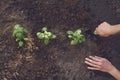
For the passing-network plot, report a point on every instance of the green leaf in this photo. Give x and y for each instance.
(44, 29)
(17, 26)
(46, 41)
(74, 42)
(53, 36)
(17, 39)
(76, 36)
(95, 33)
(83, 39)
(25, 31)
(49, 33)
(26, 39)
(40, 35)
(70, 36)
(45, 33)
(70, 32)
(19, 33)
(14, 33)
(80, 36)
(19, 36)
(46, 36)
(21, 44)
(78, 31)
(19, 29)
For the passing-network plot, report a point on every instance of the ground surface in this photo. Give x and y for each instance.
(59, 60)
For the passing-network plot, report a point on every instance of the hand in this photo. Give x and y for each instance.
(104, 29)
(98, 63)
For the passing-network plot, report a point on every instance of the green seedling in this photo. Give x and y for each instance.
(95, 33)
(45, 35)
(76, 37)
(20, 34)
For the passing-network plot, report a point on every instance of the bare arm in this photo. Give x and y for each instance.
(115, 73)
(102, 64)
(117, 28)
(105, 29)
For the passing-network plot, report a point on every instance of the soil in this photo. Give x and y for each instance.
(59, 60)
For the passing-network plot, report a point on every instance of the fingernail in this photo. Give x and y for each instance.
(96, 56)
(95, 33)
(85, 61)
(88, 67)
(90, 56)
(86, 58)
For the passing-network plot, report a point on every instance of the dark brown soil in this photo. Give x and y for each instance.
(59, 60)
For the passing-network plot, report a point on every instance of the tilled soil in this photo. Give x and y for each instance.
(59, 60)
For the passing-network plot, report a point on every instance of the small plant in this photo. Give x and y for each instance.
(76, 37)
(45, 35)
(20, 34)
(95, 33)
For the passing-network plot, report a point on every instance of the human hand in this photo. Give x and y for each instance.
(98, 63)
(104, 29)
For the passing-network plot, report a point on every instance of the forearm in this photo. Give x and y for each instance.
(115, 73)
(116, 29)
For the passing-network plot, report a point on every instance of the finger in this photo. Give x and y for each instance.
(93, 68)
(91, 64)
(100, 31)
(95, 33)
(98, 57)
(95, 58)
(102, 59)
(104, 22)
(105, 35)
(92, 61)
(96, 30)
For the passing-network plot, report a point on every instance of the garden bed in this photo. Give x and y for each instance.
(58, 60)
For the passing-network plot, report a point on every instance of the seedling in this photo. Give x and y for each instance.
(45, 35)
(95, 33)
(20, 34)
(76, 37)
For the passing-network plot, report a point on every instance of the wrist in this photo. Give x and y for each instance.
(115, 73)
(113, 70)
(116, 28)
